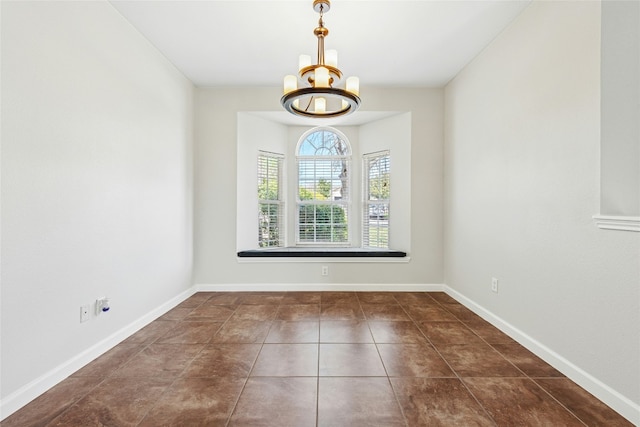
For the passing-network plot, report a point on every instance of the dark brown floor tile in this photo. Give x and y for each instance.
(151, 332)
(277, 402)
(298, 312)
(159, 361)
(190, 333)
(584, 405)
(177, 313)
(104, 365)
(338, 298)
(255, 312)
(477, 360)
(488, 332)
(115, 402)
(526, 361)
(413, 298)
(357, 402)
(350, 360)
(215, 313)
(192, 402)
(519, 402)
(449, 333)
(243, 331)
(341, 311)
(52, 403)
(196, 299)
(396, 332)
(376, 298)
(261, 298)
(345, 331)
(438, 402)
(283, 331)
(461, 312)
(413, 360)
(429, 313)
(442, 297)
(223, 360)
(393, 312)
(287, 360)
(224, 298)
(301, 298)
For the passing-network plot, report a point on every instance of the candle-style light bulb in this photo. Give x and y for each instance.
(304, 61)
(353, 85)
(320, 105)
(331, 58)
(321, 77)
(290, 83)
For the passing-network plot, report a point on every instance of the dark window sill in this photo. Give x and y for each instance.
(321, 253)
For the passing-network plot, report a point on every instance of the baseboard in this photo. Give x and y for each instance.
(35, 388)
(292, 287)
(619, 403)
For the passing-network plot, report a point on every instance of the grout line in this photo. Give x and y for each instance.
(554, 398)
(454, 371)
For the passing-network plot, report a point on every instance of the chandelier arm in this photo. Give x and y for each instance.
(309, 104)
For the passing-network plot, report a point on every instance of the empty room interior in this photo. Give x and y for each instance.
(452, 239)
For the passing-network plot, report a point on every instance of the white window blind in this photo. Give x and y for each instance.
(270, 200)
(376, 179)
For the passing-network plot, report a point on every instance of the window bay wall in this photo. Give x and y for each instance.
(233, 126)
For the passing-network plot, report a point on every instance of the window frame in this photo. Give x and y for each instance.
(344, 204)
(279, 202)
(383, 205)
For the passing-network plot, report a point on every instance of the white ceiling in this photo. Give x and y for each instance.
(388, 43)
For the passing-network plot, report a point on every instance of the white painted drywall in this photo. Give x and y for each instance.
(215, 159)
(620, 144)
(255, 134)
(522, 173)
(394, 134)
(96, 181)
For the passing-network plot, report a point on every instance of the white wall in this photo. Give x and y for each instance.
(96, 184)
(215, 159)
(620, 119)
(522, 141)
(394, 134)
(255, 134)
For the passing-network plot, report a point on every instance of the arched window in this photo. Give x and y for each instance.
(323, 198)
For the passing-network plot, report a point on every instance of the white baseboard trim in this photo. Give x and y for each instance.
(619, 403)
(35, 388)
(292, 287)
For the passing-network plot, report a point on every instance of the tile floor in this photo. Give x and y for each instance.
(317, 359)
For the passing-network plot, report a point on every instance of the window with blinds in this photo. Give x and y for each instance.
(376, 179)
(323, 157)
(270, 200)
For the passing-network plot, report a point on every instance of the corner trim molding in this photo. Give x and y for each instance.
(618, 402)
(620, 223)
(35, 388)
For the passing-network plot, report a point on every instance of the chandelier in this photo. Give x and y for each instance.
(319, 94)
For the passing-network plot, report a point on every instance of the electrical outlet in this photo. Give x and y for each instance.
(325, 270)
(84, 313)
(494, 285)
(102, 305)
